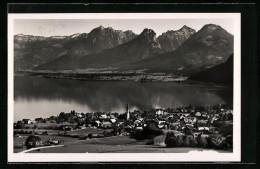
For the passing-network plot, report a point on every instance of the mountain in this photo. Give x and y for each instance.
(31, 51)
(142, 47)
(222, 73)
(98, 39)
(171, 40)
(210, 46)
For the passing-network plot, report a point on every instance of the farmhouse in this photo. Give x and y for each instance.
(27, 121)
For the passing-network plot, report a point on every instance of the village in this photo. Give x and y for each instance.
(190, 126)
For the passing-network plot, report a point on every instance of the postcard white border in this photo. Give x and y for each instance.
(129, 157)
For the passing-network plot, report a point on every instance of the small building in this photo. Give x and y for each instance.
(139, 128)
(198, 114)
(97, 123)
(103, 116)
(27, 121)
(159, 112)
(112, 120)
(106, 124)
(161, 124)
(82, 127)
(203, 129)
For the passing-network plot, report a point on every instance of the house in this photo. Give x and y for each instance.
(103, 116)
(82, 127)
(66, 127)
(137, 122)
(139, 128)
(27, 121)
(161, 124)
(97, 123)
(106, 124)
(159, 112)
(112, 120)
(128, 128)
(203, 129)
(202, 122)
(186, 119)
(112, 116)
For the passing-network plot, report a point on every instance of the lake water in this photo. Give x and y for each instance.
(40, 97)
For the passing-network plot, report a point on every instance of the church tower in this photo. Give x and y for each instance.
(127, 113)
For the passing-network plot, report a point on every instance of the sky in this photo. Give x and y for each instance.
(65, 27)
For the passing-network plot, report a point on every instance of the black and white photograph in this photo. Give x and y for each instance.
(124, 87)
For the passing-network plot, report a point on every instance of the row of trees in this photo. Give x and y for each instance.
(213, 141)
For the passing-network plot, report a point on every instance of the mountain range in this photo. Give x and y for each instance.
(31, 51)
(183, 51)
(210, 46)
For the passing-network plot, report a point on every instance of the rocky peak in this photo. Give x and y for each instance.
(210, 27)
(147, 31)
(172, 39)
(148, 34)
(129, 32)
(186, 29)
(100, 27)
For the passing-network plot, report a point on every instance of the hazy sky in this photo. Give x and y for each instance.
(55, 27)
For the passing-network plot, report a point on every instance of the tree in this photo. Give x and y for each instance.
(19, 125)
(151, 126)
(33, 141)
(88, 118)
(62, 117)
(39, 120)
(52, 118)
(121, 116)
(229, 116)
(116, 114)
(173, 141)
(72, 112)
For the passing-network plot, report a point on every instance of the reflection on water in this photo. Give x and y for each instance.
(40, 97)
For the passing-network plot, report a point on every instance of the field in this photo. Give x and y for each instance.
(85, 132)
(18, 141)
(71, 136)
(117, 144)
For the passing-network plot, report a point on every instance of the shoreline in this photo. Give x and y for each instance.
(106, 76)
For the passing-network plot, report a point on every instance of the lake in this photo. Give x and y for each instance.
(43, 97)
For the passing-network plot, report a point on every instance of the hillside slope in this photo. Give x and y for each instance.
(222, 73)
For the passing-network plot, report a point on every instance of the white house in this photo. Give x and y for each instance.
(159, 112)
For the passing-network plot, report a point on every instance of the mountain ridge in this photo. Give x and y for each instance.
(172, 39)
(31, 51)
(143, 46)
(190, 51)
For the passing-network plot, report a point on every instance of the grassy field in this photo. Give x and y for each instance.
(115, 144)
(85, 132)
(118, 144)
(80, 132)
(18, 141)
(40, 131)
(75, 134)
(42, 125)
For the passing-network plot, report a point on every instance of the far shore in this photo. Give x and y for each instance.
(105, 75)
